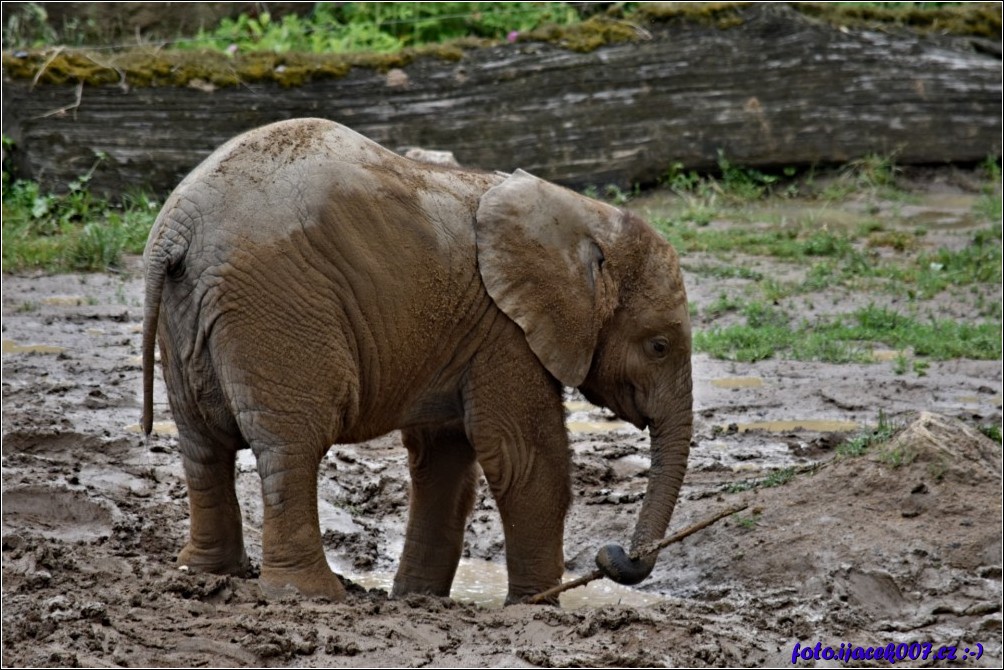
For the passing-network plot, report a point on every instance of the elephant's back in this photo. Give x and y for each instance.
(286, 176)
(292, 146)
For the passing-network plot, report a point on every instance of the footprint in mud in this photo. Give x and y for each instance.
(51, 443)
(55, 513)
(875, 592)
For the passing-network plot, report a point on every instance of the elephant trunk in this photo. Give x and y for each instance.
(670, 436)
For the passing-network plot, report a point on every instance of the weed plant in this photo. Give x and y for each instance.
(773, 479)
(73, 231)
(861, 443)
(382, 27)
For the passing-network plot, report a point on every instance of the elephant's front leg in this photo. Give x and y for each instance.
(519, 435)
(443, 477)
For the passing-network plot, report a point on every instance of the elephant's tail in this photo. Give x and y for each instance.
(165, 250)
(151, 313)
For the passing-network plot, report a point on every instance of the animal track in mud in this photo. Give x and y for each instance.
(60, 445)
(56, 513)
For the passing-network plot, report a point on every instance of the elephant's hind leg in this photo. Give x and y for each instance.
(443, 477)
(292, 553)
(216, 538)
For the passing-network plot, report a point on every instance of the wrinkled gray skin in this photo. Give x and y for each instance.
(309, 287)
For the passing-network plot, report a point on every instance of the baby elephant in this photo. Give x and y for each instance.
(309, 287)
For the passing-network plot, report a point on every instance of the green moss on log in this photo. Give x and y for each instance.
(206, 69)
(981, 19)
(143, 68)
(588, 35)
(721, 15)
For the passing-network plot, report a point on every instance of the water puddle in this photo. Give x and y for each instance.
(110, 479)
(794, 425)
(598, 426)
(65, 300)
(167, 428)
(584, 417)
(630, 466)
(886, 355)
(738, 383)
(743, 455)
(942, 210)
(12, 347)
(485, 583)
(335, 518)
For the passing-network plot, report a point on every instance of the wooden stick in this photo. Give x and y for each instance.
(45, 66)
(635, 555)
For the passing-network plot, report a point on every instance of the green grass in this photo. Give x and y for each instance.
(73, 231)
(778, 477)
(841, 257)
(748, 522)
(774, 478)
(381, 27)
(722, 271)
(792, 243)
(769, 333)
(993, 432)
(329, 27)
(859, 444)
(866, 256)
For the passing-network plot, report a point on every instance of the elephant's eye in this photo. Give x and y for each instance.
(657, 347)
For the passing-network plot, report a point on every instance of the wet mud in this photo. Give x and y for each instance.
(899, 545)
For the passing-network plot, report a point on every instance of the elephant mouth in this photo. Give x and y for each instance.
(638, 417)
(626, 411)
(630, 409)
(632, 413)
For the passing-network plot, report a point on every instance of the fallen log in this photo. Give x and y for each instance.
(772, 87)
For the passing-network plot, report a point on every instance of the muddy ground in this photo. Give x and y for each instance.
(899, 545)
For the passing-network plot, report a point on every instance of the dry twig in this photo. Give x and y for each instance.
(635, 555)
(68, 108)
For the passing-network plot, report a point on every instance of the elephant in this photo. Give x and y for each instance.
(309, 287)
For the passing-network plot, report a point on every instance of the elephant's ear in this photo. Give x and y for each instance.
(541, 253)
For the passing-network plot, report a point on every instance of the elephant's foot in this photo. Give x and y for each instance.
(521, 596)
(220, 561)
(317, 581)
(406, 587)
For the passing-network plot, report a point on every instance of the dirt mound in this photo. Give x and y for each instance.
(948, 448)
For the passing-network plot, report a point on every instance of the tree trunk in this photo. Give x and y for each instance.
(778, 90)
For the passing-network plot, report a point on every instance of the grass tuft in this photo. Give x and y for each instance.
(73, 231)
(861, 443)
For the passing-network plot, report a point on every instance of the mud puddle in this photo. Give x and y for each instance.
(484, 583)
(12, 347)
(800, 426)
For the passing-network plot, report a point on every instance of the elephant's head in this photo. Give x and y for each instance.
(600, 298)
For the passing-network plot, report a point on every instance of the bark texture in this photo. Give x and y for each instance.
(780, 89)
